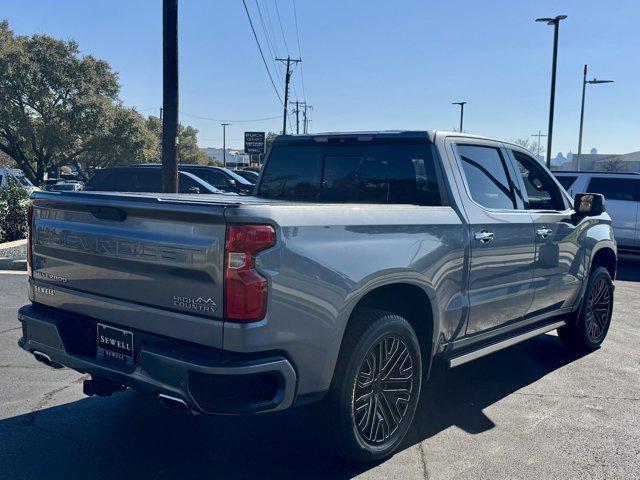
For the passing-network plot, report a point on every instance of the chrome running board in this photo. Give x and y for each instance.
(469, 355)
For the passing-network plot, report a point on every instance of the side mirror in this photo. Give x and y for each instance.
(193, 190)
(589, 204)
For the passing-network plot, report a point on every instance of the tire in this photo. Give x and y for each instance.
(589, 329)
(369, 409)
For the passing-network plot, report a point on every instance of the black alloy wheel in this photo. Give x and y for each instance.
(383, 390)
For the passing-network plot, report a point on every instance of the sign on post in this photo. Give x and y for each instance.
(254, 143)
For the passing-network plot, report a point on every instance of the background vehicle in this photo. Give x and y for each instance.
(148, 179)
(219, 177)
(361, 259)
(622, 194)
(248, 175)
(65, 187)
(19, 176)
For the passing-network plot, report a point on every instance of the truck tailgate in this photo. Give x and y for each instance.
(144, 251)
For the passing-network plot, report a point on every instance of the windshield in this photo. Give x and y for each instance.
(236, 177)
(24, 181)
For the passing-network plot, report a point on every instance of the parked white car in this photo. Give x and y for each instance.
(622, 194)
(19, 176)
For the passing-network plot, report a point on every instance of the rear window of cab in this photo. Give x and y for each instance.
(371, 173)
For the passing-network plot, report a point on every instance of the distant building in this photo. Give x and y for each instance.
(235, 158)
(599, 162)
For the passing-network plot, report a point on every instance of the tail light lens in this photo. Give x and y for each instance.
(29, 237)
(245, 288)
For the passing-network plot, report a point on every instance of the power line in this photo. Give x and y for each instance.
(295, 16)
(281, 29)
(260, 48)
(271, 45)
(229, 120)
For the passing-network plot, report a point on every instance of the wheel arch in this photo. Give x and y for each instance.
(411, 302)
(604, 256)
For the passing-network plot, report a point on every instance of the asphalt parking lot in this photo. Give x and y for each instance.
(534, 411)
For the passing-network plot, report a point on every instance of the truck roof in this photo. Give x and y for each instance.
(366, 135)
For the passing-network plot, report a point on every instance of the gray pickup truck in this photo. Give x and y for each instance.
(361, 259)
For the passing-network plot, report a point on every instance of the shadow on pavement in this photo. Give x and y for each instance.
(130, 436)
(628, 268)
(458, 397)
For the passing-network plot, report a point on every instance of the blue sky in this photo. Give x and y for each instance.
(372, 64)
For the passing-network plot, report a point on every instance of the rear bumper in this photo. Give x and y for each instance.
(208, 380)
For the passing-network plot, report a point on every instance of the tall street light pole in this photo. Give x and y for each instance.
(462, 104)
(170, 96)
(556, 26)
(584, 88)
(224, 143)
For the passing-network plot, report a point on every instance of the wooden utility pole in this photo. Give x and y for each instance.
(287, 78)
(170, 96)
(297, 111)
(305, 119)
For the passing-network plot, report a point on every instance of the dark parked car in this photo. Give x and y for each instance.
(219, 177)
(148, 179)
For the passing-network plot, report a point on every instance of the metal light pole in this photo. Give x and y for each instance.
(462, 104)
(224, 143)
(584, 88)
(556, 26)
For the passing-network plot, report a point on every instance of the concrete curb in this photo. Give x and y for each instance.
(12, 264)
(13, 255)
(14, 244)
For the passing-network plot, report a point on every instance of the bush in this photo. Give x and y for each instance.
(14, 201)
(4, 211)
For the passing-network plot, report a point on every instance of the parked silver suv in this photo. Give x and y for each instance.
(622, 194)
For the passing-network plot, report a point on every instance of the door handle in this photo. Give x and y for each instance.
(483, 236)
(544, 232)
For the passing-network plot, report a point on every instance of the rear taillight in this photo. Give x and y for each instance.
(29, 236)
(245, 288)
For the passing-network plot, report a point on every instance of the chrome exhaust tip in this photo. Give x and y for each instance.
(173, 403)
(46, 359)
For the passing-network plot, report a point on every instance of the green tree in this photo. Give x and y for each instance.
(188, 150)
(126, 141)
(6, 161)
(58, 107)
(533, 147)
(14, 201)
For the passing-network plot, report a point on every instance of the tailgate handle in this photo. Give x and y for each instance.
(108, 213)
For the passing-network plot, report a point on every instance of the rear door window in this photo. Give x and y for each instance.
(616, 188)
(212, 177)
(148, 180)
(186, 182)
(486, 173)
(362, 173)
(117, 182)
